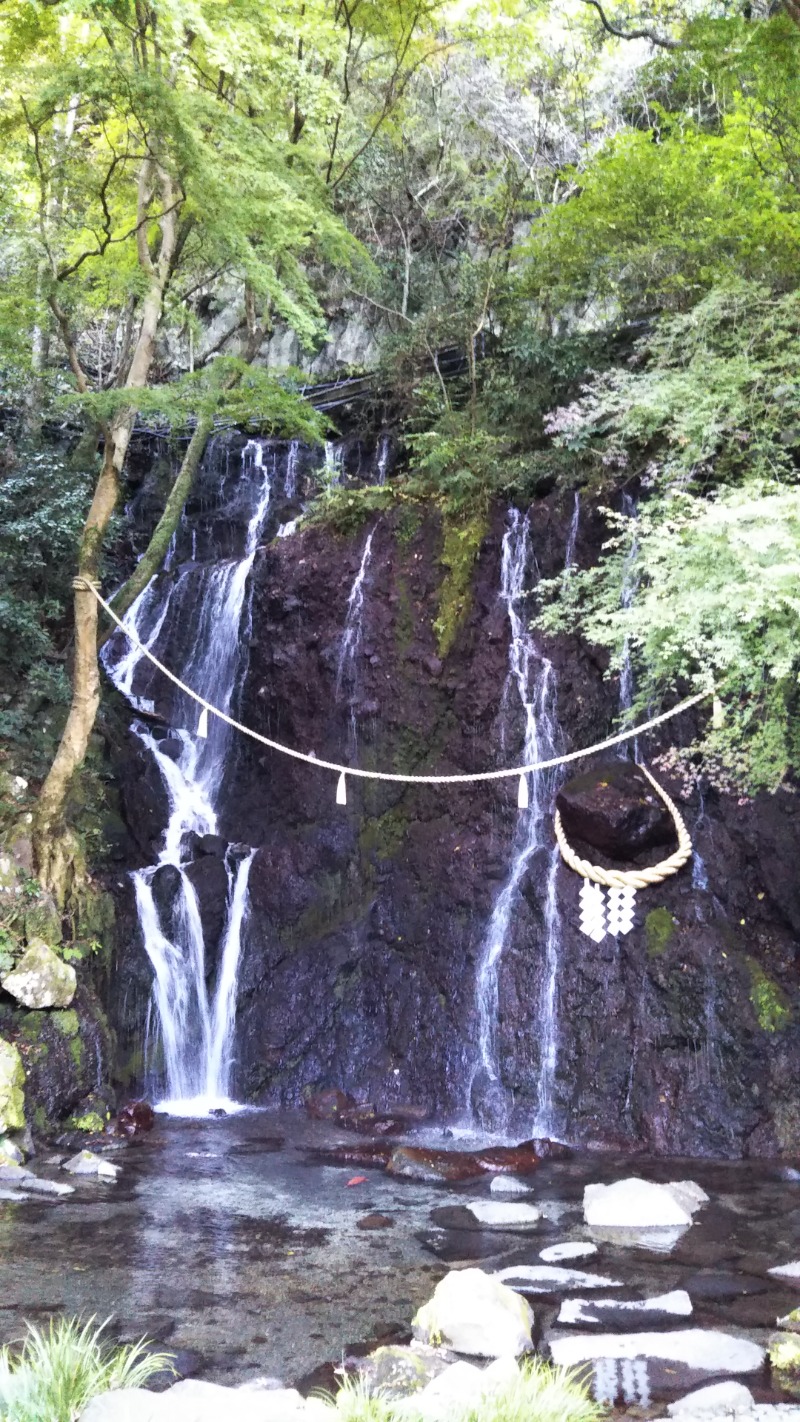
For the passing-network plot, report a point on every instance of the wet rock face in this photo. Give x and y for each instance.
(614, 808)
(367, 920)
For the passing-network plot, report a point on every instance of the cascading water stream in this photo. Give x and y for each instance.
(195, 1031)
(529, 688)
(630, 582)
(347, 666)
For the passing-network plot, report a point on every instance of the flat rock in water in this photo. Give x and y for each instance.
(716, 1284)
(475, 1313)
(421, 1163)
(615, 809)
(500, 1214)
(622, 1313)
(718, 1400)
(375, 1222)
(705, 1350)
(509, 1185)
(554, 1253)
(787, 1271)
(636, 1204)
(549, 1279)
(87, 1163)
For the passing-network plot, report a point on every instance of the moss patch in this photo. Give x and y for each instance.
(383, 836)
(770, 1003)
(460, 548)
(66, 1021)
(659, 931)
(92, 1122)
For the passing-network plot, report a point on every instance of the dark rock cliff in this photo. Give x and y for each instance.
(367, 920)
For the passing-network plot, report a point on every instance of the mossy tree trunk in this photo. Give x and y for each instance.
(58, 859)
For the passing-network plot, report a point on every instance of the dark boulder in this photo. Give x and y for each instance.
(615, 809)
(134, 1119)
(329, 1104)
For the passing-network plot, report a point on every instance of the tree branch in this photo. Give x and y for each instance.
(662, 41)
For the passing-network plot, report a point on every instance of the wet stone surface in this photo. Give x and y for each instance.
(233, 1244)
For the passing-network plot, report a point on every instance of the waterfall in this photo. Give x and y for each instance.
(347, 666)
(292, 466)
(333, 467)
(572, 536)
(384, 450)
(195, 1031)
(530, 689)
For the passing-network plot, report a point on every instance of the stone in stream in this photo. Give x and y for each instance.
(329, 1104)
(636, 1204)
(787, 1271)
(429, 1164)
(87, 1163)
(475, 1313)
(41, 979)
(368, 1153)
(509, 1185)
(395, 1371)
(556, 1252)
(701, 1349)
(790, 1321)
(723, 1399)
(548, 1279)
(715, 1284)
(615, 809)
(375, 1222)
(622, 1313)
(134, 1119)
(500, 1214)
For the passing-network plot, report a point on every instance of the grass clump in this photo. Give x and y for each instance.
(58, 1370)
(538, 1393)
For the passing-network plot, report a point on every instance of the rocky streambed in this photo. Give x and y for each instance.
(244, 1248)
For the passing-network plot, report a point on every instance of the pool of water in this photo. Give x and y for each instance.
(232, 1244)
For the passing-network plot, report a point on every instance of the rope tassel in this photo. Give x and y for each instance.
(523, 800)
(202, 725)
(341, 790)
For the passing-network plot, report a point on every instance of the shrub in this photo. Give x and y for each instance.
(59, 1370)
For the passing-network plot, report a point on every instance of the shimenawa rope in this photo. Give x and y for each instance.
(464, 779)
(631, 878)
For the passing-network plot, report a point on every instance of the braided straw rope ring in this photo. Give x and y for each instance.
(631, 878)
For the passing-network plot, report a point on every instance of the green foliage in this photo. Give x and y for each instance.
(770, 1003)
(91, 1122)
(57, 1371)
(539, 1393)
(712, 401)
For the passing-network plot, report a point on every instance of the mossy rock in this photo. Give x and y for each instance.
(91, 1122)
(770, 1003)
(460, 549)
(784, 1353)
(43, 921)
(659, 931)
(12, 1089)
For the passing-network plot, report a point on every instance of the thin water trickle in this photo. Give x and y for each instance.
(347, 666)
(195, 1033)
(292, 469)
(529, 689)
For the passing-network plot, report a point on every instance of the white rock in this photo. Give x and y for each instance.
(786, 1271)
(128, 1404)
(196, 1401)
(500, 1373)
(719, 1400)
(476, 1313)
(40, 978)
(592, 1310)
(633, 1204)
(87, 1163)
(497, 1213)
(701, 1348)
(543, 1278)
(48, 1187)
(556, 1252)
(509, 1185)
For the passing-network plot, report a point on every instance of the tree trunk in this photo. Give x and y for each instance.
(156, 550)
(59, 861)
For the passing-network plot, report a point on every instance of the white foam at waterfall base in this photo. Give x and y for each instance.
(196, 1033)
